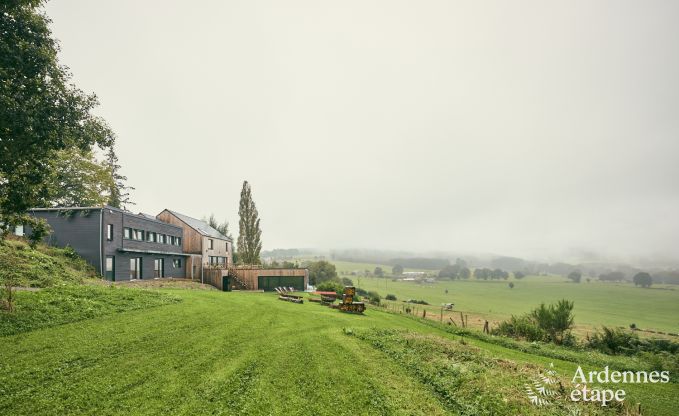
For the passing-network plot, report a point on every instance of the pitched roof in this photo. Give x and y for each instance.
(200, 226)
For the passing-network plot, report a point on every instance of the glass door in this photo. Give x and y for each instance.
(135, 268)
(159, 268)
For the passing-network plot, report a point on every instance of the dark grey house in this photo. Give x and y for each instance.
(119, 244)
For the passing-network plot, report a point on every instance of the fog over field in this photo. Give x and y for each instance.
(533, 129)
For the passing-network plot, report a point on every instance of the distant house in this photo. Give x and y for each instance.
(119, 244)
(205, 246)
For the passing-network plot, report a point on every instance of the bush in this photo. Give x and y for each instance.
(545, 323)
(374, 298)
(621, 342)
(390, 297)
(347, 282)
(520, 327)
(418, 302)
(331, 286)
(613, 341)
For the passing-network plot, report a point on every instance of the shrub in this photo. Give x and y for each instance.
(418, 302)
(374, 298)
(331, 286)
(511, 285)
(613, 341)
(555, 319)
(545, 323)
(520, 327)
(390, 297)
(621, 342)
(347, 282)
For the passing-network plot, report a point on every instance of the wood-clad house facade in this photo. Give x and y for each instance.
(206, 247)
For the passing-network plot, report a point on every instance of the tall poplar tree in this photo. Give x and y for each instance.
(249, 233)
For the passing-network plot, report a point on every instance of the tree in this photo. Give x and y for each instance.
(222, 228)
(77, 179)
(483, 273)
(511, 285)
(497, 274)
(397, 270)
(642, 279)
(519, 275)
(450, 271)
(41, 112)
(10, 275)
(575, 276)
(249, 232)
(378, 272)
(119, 194)
(321, 271)
(465, 273)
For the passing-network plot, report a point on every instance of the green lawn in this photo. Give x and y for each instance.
(249, 353)
(596, 303)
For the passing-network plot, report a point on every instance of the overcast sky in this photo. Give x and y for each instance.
(528, 128)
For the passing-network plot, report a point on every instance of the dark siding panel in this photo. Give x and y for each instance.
(79, 230)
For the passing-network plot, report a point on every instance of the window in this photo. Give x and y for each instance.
(151, 237)
(127, 233)
(109, 232)
(134, 234)
(217, 260)
(210, 244)
(177, 263)
(161, 238)
(179, 241)
(110, 268)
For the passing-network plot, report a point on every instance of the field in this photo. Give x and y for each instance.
(249, 353)
(596, 304)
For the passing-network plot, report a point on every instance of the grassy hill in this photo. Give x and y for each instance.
(249, 353)
(80, 346)
(46, 266)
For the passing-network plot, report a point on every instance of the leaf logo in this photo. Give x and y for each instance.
(539, 392)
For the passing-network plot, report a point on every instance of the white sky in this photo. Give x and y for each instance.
(530, 128)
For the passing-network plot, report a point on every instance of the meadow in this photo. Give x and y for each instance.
(213, 352)
(596, 303)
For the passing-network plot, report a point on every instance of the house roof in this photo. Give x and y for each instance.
(200, 226)
(104, 207)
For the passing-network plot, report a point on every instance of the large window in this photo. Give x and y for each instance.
(127, 233)
(162, 238)
(109, 232)
(177, 263)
